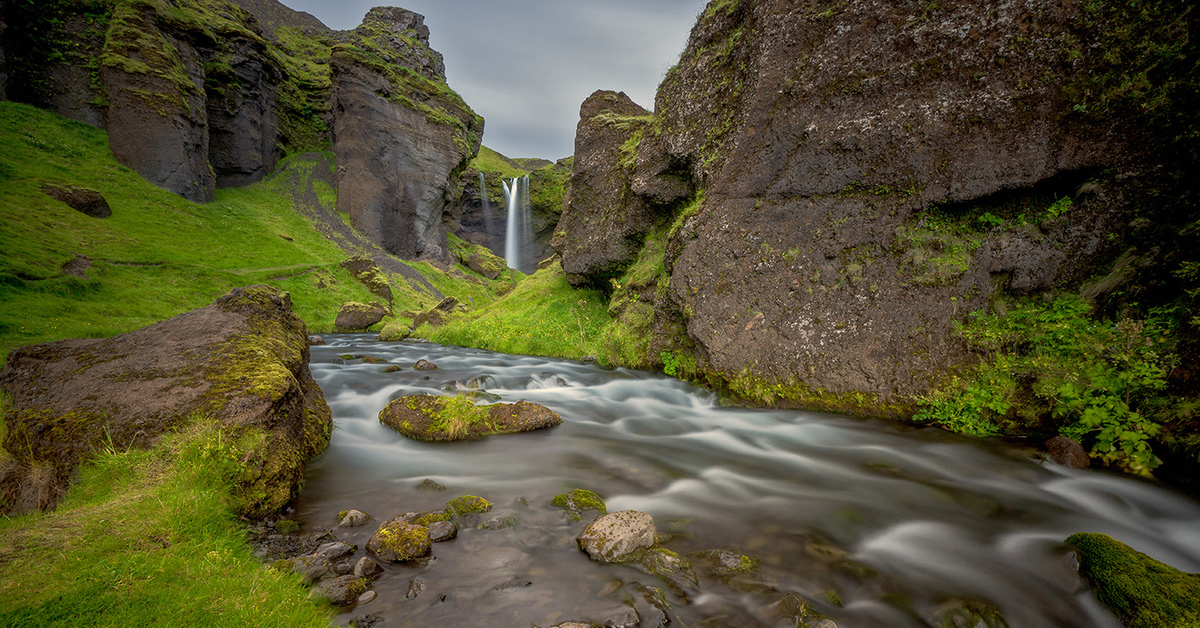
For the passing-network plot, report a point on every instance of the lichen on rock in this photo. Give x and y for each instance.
(444, 418)
(617, 536)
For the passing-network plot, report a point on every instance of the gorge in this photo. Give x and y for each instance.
(918, 217)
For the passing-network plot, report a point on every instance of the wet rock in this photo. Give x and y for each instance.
(467, 505)
(397, 541)
(425, 365)
(1068, 452)
(316, 340)
(355, 316)
(442, 418)
(961, 614)
(242, 360)
(616, 536)
(430, 485)
(392, 369)
(367, 597)
(353, 518)
(441, 531)
(575, 624)
(371, 359)
(367, 568)
(332, 552)
(416, 587)
(499, 523)
(578, 500)
(1138, 589)
(623, 617)
(674, 570)
(341, 591)
(514, 583)
(366, 621)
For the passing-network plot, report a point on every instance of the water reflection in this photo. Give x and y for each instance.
(892, 522)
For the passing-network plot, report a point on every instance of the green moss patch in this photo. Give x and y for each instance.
(1141, 591)
(443, 418)
(467, 505)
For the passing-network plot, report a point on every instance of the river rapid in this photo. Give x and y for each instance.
(873, 523)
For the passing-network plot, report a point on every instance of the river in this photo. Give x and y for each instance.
(872, 523)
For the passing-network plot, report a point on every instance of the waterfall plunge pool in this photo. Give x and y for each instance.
(871, 523)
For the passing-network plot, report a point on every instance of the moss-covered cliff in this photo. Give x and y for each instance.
(872, 175)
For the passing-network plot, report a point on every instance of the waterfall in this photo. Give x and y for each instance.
(518, 231)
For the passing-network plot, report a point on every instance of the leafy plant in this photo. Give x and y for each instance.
(1050, 367)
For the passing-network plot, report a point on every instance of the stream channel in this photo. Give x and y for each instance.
(872, 523)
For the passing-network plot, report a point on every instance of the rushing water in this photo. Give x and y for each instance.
(899, 522)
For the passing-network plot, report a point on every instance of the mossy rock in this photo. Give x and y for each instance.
(394, 331)
(468, 505)
(440, 418)
(1140, 590)
(400, 541)
(355, 316)
(578, 500)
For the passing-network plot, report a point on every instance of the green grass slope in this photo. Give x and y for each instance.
(157, 255)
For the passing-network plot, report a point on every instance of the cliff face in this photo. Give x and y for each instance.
(872, 173)
(196, 96)
(401, 136)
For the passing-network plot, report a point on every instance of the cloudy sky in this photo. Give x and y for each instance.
(526, 65)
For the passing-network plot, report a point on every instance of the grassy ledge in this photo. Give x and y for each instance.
(148, 537)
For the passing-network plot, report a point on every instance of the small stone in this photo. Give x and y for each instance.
(353, 518)
(367, 597)
(514, 583)
(341, 591)
(367, 568)
(440, 531)
(332, 552)
(366, 621)
(499, 523)
(316, 340)
(392, 369)
(343, 567)
(425, 365)
(615, 536)
(416, 586)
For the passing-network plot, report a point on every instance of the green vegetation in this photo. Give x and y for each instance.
(1051, 369)
(157, 255)
(467, 505)
(490, 162)
(542, 315)
(1141, 591)
(145, 537)
(578, 500)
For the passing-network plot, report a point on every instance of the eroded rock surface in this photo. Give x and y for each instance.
(242, 360)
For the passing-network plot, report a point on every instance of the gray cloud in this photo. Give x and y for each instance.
(526, 65)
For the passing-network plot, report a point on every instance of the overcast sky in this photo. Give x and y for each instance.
(527, 65)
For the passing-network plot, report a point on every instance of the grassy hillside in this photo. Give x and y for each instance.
(157, 255)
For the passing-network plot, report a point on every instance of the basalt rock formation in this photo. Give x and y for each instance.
(242, 361)
(201, 95)
(871, 173)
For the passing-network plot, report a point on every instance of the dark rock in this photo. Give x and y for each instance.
(440, 531)
(501, 522)
(82, 200)
(395, 185)
(366, 621)
(367, 568)
(416, 586)
(342, 590)
(616, 537)
(397, 541)
(333, 552)
(392, 369)
(356, 316)
(243, 130)
(316, 340)
(440, 418)
(603, 221)
(425, 365)
(431, 485)
(1068, 452)
(513, 583)
(242, 360)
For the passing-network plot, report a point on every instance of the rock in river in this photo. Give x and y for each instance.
(440, 418)
(616, 536)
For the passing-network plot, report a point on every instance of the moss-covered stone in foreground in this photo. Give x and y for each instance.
(441, 418)
(1141, 591)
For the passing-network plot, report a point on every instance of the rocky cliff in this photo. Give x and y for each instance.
(870, 174)
(199, 94)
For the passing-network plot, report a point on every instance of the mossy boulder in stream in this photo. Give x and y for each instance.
(399, 541)
(578, 500)
(1141, 591)
(439, 418)
(242, 360)
(617, 537)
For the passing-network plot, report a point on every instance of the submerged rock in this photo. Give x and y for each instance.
(242, 360)
(367, 568)
(1068, 452)
(578, 500)
(440, 418)
(617, 536)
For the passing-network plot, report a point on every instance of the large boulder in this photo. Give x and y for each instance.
(394, 185)
(82, 200)
(617, 536)
(441, 418)
(355, 316)
(242, 361)
(603, 221)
